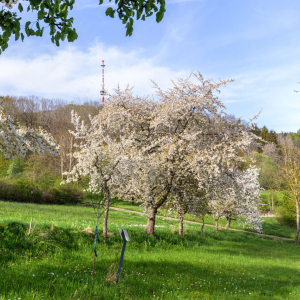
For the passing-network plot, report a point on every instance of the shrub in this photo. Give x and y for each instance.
(16, 167)
(287, 211)
(25, 190)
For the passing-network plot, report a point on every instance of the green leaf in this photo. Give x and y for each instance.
(52, 29)
(20, 7)
(38, 26)
(27, 24)
(41, 15)
(5, 36)
(138, 14)
(17, 35)
(72, 35)
(159, 16)
(110, 12)
(101, 2)
(57, 38)
(22, 37)
(27, 30)
(129, 27)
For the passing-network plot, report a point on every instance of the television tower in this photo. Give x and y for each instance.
(102, 92)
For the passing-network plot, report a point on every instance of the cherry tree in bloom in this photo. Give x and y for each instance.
(150, 145)
(98, 157)
(17, 140)
(185, 197)
(223, 194)
(250, 201)
(236, 194)
(184, 131)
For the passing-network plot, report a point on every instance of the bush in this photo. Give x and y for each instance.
(287, 211)
(16, 167)
(25, 190)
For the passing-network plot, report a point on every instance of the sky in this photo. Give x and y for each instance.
(255, 42)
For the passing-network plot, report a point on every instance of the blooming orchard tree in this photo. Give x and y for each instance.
(223, 192)
(250, 197)
(98, 157)
(155, 144)
(17, 140)
(185, 131)
(236, 194)
(185, 197)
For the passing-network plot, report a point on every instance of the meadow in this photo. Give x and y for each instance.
(55, 261)
(271, 225)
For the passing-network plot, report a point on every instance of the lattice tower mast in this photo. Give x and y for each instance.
(102, 92)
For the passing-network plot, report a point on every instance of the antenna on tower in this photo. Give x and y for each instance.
(102, 92)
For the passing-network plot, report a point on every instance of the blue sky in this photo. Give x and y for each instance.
(254, 42)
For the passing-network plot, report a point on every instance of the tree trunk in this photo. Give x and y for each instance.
(153, 210)
(228, 222)
(131, 200)
(180, 227)
(272, 198)
(217, 224)
(151, 220)
(104, 234)
(202, 226)
(61, 166)
(298, 221)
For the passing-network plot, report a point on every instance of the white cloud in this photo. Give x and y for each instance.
(72, 74)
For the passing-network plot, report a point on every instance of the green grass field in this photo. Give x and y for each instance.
(55, 261)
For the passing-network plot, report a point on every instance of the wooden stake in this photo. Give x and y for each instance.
(30, 226)
(94, 264)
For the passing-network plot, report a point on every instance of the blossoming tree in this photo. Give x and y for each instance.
(150, 146)
(98, 156)
(184, 131)
(236, 194)
(186, 197)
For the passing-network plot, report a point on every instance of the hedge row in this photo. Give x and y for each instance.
(24, 190)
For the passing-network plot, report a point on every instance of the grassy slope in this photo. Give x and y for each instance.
(270, 224)
(57, 265)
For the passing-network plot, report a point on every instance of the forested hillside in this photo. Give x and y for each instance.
(36, 178)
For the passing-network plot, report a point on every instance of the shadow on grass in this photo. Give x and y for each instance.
(212, 266)
(143, 278)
